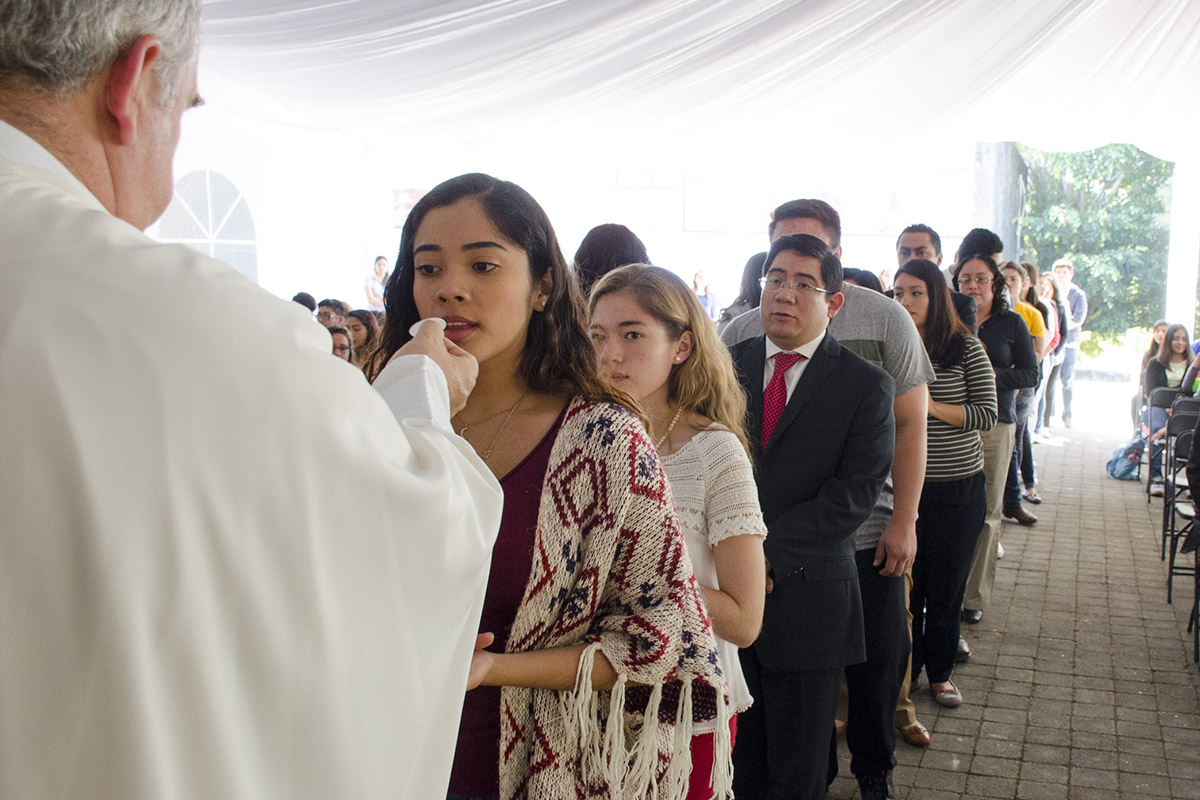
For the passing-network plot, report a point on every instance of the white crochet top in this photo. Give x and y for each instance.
(716, 498)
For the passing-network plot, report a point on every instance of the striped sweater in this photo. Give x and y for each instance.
(956, 453)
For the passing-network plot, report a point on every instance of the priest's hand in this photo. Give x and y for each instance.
(460, 367)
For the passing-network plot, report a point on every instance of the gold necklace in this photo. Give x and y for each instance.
(658, 445)
(486, 454)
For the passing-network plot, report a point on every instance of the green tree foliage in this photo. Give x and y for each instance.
(1107, 210)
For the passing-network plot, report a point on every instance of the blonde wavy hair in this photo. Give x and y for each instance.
(705, 383)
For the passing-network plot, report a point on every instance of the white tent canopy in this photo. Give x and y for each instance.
(740, 85)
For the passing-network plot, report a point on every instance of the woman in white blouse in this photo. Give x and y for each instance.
(654, 342)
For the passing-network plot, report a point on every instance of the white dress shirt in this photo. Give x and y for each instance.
(792, 376)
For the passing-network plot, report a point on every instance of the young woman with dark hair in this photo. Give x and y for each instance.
(962, 403)
(653, 341)
(1167, 369)
(1049, 314)
(1010, 351)
(575, 697)
(364, 328)
(1016, 277)
(1055, 299)
(1170, 363)
(603, 249)
(749, 292)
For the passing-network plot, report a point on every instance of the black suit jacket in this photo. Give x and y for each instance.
(818, 479)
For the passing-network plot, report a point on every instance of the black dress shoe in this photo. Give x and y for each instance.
(963, 653)
(877, 787)
(971, 616)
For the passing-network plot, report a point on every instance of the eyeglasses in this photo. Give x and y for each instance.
(967, 280)
(325, 316)
(779, 284)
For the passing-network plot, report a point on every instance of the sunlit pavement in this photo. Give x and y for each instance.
(1081, 682)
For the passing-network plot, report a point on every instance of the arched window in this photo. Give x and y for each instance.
(209, 213)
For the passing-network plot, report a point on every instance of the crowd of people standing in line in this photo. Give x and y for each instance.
(972, 370)
(872, 560)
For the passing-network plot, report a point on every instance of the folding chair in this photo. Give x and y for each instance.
(1186, 510)
(1185, 405)
(1191, 544)
(1180, 428)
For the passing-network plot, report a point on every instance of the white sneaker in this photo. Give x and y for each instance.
(999, 550)
(1156, 489)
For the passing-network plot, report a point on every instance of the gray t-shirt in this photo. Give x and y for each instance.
(879, 330)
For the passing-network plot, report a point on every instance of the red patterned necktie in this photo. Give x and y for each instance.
(775, 395)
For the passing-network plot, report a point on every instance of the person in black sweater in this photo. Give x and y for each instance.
(1010, 349)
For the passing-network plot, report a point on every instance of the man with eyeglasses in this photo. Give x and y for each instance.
(880, 331)
(331, 313)
(821, 430)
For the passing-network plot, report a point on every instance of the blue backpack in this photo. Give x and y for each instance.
(1124, 462)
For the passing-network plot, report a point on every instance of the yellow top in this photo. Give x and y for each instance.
(1033, 318)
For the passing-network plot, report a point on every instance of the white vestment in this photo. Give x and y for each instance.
(225, 570)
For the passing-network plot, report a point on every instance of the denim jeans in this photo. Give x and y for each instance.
(1067, 376)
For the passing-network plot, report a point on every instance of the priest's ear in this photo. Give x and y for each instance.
(133, 87)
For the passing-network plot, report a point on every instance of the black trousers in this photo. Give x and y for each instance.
(950, 516)
(874, 686)
(783, 740)
(1017, 465)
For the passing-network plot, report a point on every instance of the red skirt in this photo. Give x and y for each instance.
(699, 783)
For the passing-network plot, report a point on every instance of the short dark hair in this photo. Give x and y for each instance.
(862, 277)
(810, 208)
(336, 306)
(811, 246)
(979, 240)
(603, 249)
(305, 299)
(920, 227)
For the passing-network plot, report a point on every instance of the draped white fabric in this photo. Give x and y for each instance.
(1055, 73)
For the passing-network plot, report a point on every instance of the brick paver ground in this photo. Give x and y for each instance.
(1081, 682)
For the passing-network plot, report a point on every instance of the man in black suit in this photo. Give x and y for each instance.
(822, 432)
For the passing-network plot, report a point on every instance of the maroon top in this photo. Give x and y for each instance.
(476, 771)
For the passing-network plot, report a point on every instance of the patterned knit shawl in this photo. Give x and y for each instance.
(610, 568)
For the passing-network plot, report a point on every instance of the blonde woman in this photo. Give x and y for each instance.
(654, 342)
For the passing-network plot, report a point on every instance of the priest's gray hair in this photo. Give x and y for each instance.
(58, 45)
